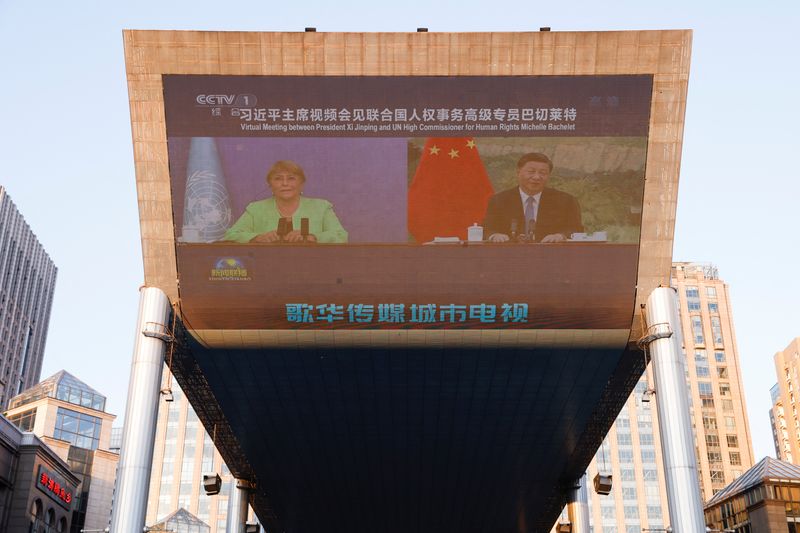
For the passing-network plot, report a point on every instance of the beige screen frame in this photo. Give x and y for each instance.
(664, 54)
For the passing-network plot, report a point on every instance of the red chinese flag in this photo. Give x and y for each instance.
(450, 190)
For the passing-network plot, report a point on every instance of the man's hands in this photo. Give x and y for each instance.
(554, 237)
(498, 237)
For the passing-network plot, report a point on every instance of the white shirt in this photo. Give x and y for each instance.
(536, 197)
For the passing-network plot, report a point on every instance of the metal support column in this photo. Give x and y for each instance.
(141, 413)
(578, 507)
(238, 502)
(664, 339)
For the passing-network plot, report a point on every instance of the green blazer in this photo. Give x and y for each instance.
(262, 216)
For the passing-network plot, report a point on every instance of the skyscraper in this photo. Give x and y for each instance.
(631, 451)
(183, 452)
(783, 415)
(27, 282)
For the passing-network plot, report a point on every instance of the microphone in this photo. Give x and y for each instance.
(304, 228)
(283, 227)
(531, 230)
(514, 229)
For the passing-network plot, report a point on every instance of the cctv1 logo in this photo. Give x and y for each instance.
(226, 100)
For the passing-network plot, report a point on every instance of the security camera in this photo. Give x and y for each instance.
(212, 484)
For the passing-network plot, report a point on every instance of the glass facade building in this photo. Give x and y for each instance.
(631, 451)
(764, 499)
(69, 416)
(27, 283)
(183, 452)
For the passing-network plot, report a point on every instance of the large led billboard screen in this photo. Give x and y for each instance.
(397, 202)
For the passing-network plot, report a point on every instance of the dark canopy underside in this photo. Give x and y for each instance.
(407, 440)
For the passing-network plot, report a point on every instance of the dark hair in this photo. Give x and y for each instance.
(286, 166)
(534, 156)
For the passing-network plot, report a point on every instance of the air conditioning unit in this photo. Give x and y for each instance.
(602, 484)
(212, 484)
(252, 528)
(564, 527)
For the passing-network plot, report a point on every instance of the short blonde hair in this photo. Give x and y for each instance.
(286, 166)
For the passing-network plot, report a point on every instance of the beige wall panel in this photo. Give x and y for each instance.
(607, 49)
(353, 54)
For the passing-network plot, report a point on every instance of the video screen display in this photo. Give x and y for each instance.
(407, 202)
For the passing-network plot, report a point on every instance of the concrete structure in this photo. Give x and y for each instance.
(663, 342)
(151, 336)
(765, 499)
(361, 430)
(631, 451)
(70, 417)
(37, 488)
(27, 282)
(783, 415)
(183, 452)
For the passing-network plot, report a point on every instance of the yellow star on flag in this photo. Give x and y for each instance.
(434, 150)
(453, 153)
(470, 144)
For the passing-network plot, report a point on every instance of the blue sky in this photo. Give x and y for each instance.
(66, 153)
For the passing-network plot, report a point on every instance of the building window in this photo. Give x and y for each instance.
(697, 329)
(24, 420)
(736, 458)
(724, 389)
(648, 456)
(79, 396)
(708, 403)
(714, 457)
(727, 405)
(717, 476)
(730, 423)
(705, 389)
(653, 512)
(716, 330)
(719, 356)
(722, 372)
(712, 441)
(627, 474)
(713, 308)
(711, 292)
(692, 298)
(646, 439)
(628, 493)
(733, 441)
(625, 456)
(631, 511)
(709, 422)
(78, 429)
(624, 439)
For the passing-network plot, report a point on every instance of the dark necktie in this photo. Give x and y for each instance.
(530, 214)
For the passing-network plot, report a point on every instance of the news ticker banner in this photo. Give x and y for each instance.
(401, 188)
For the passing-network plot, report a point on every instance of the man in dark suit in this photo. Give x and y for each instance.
(532, 208)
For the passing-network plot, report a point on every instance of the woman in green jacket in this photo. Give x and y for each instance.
(259, 222)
